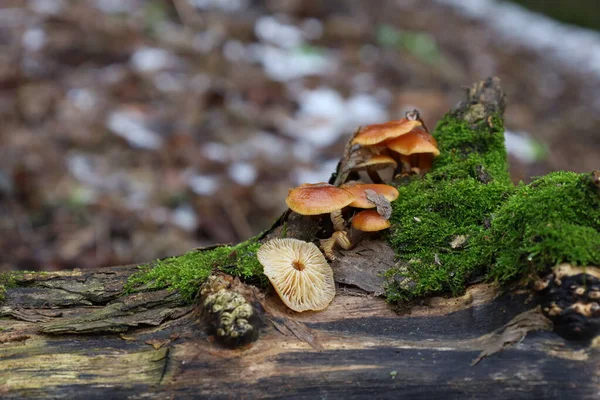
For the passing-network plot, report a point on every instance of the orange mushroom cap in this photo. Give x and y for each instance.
(416, 141)
(378, 161)
(318, 198)
(361, 201)
(377, 133)
(370, 221)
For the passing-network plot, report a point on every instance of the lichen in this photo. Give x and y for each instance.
(187, 272)
(468, 183)
(554, 219)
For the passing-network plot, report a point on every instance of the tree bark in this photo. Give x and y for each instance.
(78, 334)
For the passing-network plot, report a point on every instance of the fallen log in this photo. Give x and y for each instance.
(88, 334)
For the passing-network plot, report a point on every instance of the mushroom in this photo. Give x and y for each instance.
(320, 198)
(417, 149)
(374, 134)
(370, 221)
(374, 164)
(328, 245)
(376, 138)
(359, 190)
(299, 273)
(367, 195)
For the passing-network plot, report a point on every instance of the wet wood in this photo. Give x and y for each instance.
(359, 347)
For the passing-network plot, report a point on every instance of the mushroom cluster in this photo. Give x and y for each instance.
(298, 271)
(324, 198)
(407, 141)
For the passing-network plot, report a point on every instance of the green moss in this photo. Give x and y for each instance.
(242, 262)
(7, 281)
(552, 220)
(468, 183)
(506, 232)
(187, 272)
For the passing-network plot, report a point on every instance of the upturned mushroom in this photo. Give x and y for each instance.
(299, 273)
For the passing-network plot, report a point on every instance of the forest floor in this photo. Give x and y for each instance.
(137, 130)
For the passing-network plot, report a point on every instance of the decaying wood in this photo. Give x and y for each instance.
(358, 347)
(77, 334)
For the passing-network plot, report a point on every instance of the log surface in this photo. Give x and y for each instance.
(358, 348)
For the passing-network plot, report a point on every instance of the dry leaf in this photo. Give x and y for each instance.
(384, 208)
(458, 241)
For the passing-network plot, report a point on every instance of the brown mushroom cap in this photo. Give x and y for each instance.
(299, 273)
(416, 141)
(378, 161)
(361, 201)
(370, 221)
(377, 133)
(317, 198)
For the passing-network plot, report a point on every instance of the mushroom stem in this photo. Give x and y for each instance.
(403, 168)
(338, 220)
(374, 175)
(328, 245)
(341, 238)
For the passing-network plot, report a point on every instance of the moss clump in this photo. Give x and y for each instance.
(456, 199)
(465, 219)
(187, 272)
(552, 220)
(242, 262)
(7, 281)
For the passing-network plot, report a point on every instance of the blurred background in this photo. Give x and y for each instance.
(132, 130)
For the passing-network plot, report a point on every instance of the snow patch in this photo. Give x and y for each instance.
(321, 173)
(130, 126)
(34, 39)
(269, 29)
(284, 64)
(324, 116)
(243, 173)
(203, 185)
(577, 47)
(521, 146)
(152, 59)
(185, 218)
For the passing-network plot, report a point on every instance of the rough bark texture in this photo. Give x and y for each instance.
(78, 335)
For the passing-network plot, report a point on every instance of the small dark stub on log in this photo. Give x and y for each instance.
(484, 99)
(571, 301)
